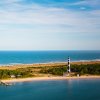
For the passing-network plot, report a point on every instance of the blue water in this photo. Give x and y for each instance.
(29, 57)
(78, 89)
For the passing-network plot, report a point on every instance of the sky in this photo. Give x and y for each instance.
(49, 24)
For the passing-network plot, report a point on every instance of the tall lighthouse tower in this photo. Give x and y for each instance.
(69, 65)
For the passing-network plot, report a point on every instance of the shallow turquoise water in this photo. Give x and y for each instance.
(83, 89)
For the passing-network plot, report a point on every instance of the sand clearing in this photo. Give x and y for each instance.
(49, 78)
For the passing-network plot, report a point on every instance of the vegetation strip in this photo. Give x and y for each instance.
(57, 70)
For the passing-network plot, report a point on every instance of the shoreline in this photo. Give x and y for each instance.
(48, 78)
(47, 64)
(73, 61)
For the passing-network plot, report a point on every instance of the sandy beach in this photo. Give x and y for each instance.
(48, 78)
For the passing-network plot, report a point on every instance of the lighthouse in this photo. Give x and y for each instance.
(69, 65)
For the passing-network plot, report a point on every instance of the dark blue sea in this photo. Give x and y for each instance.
(75, 89)
(29, 57)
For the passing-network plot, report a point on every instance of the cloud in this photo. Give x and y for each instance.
(92, 3)
(10, 1)
(61, 19)
(47, 26)
(83, 8)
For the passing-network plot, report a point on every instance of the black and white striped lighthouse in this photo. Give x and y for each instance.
(69, 65)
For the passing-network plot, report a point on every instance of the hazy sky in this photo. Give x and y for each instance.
(49, 24)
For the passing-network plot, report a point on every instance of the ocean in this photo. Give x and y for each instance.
(29, 57)
(72, 89)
